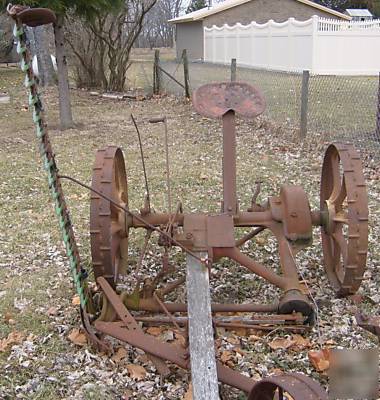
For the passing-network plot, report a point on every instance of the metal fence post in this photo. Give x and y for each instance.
(233, 69)
(156, 73)
(186, 73)
(304, 103)
(377, 133)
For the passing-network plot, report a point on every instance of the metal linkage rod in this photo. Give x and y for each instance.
(130, 213)
(142, 159)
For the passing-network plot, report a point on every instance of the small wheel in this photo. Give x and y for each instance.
(344, 211)
(108, 223)
(298, 386)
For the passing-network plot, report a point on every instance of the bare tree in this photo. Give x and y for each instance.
(103, 44)
(6, 37)
(157, 31)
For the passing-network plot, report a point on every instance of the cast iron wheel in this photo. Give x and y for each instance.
(344, 210)
(108, 223)
(298, 386)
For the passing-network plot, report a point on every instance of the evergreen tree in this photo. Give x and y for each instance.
(196, 5)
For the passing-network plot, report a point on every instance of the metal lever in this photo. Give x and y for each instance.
(163, 120)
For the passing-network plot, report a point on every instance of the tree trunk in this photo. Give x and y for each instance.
(65, 113)
(45, 64)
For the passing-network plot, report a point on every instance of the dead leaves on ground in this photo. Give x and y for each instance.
(136, 371)
(167, 335)
(320, 359)
(295, 342)
(77, 337)
(13, 338)
(120, 355)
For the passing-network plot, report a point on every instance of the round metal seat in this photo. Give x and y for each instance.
(36, 16)
(216, 99)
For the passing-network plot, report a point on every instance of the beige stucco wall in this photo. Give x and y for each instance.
(262, 10)
(189, 36)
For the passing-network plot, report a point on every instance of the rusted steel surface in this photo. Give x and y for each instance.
(344, 205)
(108, 228)
(216, 99)
(370, 324)
(33, 16)
(298, 386)
(287, 216)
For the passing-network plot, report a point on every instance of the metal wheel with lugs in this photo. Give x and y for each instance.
(344, 209)
(108, 223)
(295, 385)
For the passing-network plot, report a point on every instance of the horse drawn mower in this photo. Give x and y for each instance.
(108, 310)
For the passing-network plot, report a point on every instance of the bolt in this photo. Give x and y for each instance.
(294, 214)
(189, 235)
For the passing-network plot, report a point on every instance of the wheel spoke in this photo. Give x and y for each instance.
(337, 197)
(341, 217)
(342, 243)
(336, 177)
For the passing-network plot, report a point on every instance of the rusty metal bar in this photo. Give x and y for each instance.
(235, 254)
(229, 163)
(129, 321)
(171, 353)
(241, 219)
(152, 306)
(249, 236)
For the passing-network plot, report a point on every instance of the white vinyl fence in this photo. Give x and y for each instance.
(322, 46)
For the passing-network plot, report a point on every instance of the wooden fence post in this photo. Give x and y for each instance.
(304, 103)
(377, 134)
(186, 73)
(233, 69)
(156, 73)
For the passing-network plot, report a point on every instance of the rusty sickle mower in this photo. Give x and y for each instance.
(110, 310)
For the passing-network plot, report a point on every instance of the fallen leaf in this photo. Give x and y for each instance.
(320, 359)
(241, 332)
(119, 355)
(189, 393)
(253, 338)
(260, 240)
(77, 337)
(282, 344)
(136, 371)
(180, 340)
(233, 340)
(52, 311)
(276, 371)
(300, 342)
(226, 356)
(239, 351)
(154, 330)
(13, 338)
(75, 301)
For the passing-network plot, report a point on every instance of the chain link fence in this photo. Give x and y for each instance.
(338, 107)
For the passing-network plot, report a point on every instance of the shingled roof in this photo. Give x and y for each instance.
(217, 8)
